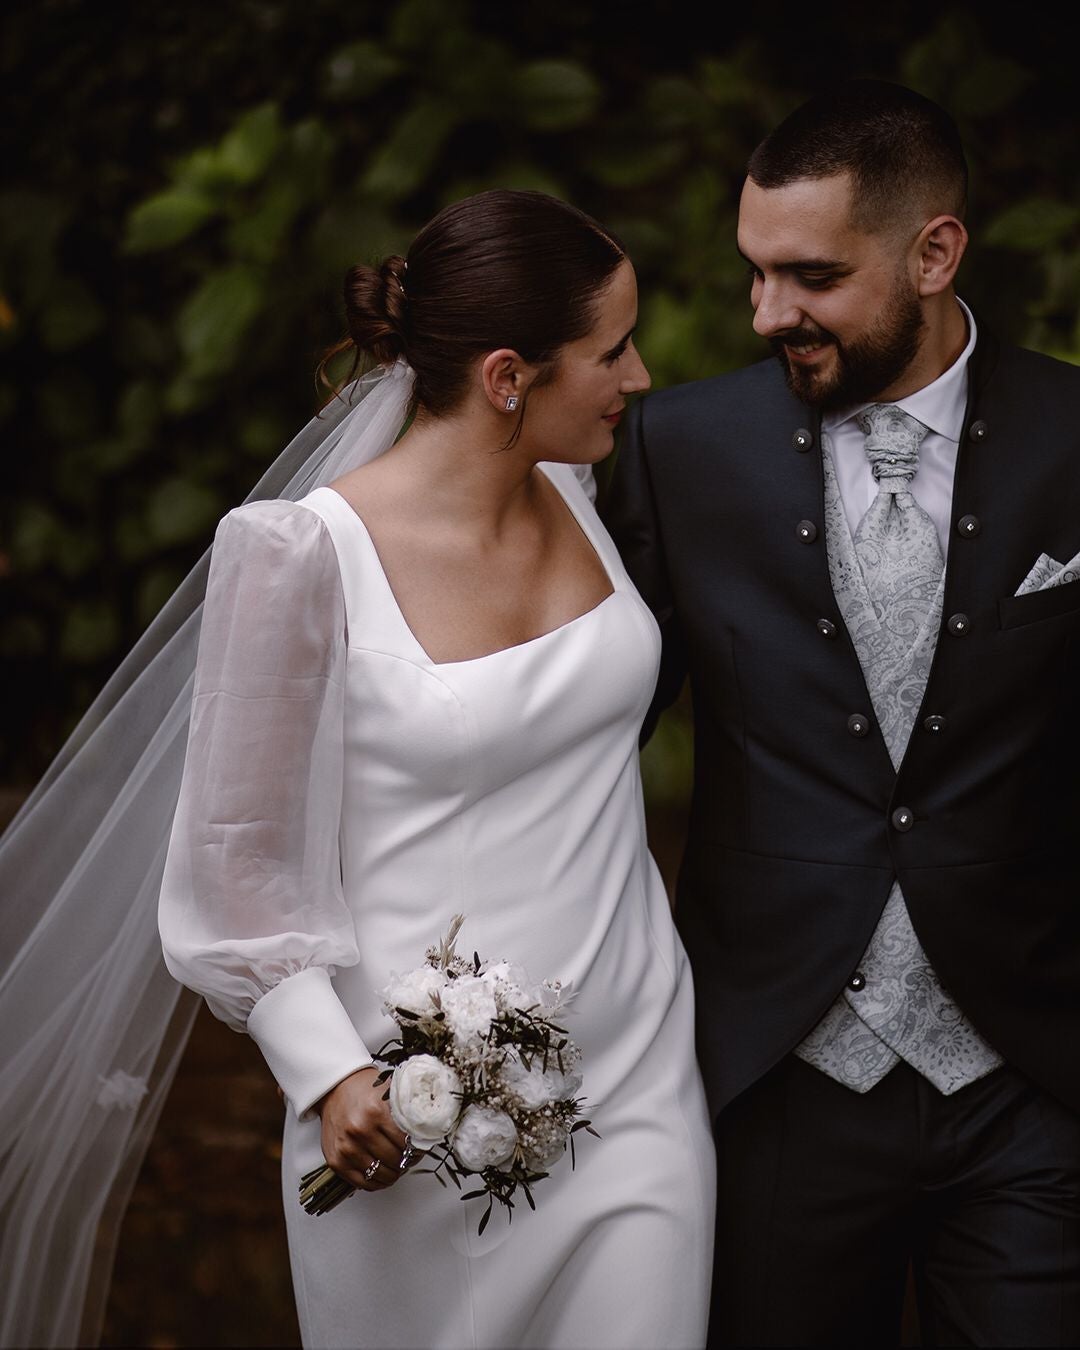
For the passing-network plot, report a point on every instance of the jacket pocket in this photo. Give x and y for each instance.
(1056, 602)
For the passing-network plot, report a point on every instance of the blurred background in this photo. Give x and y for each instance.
(183, 189)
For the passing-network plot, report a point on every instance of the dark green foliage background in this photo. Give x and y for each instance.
(185, 185)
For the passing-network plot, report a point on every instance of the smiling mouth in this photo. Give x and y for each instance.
(808, 349)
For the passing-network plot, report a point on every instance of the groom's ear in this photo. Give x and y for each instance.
(504, 375)
(938, 250)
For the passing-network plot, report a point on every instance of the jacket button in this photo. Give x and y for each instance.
(826, 628)
(806, 531)
(857, 981)
(935, 723)
(803, 440)
(903, 818)
(978, 431)
(858, 724)
(968, 526)
(959, 625)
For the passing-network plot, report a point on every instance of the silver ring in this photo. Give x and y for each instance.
(407, 1156)
(371, 1169)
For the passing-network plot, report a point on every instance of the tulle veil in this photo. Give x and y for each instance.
(92, 1024)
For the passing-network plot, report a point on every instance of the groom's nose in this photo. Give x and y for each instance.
(775, 310)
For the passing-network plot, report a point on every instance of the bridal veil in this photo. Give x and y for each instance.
(92, 1023)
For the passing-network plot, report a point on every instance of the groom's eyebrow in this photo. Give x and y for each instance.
(802, 264)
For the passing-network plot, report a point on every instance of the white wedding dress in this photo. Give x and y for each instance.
(343, 797)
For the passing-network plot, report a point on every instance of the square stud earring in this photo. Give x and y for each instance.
(511, 403)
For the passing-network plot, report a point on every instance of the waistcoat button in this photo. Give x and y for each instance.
(958, 625)
(857, 981)
(935, 722)
(803, 440)
(978, 431)
(858, 724)
(826, 628)
(968, 526)
(806, 531)
(903, 818)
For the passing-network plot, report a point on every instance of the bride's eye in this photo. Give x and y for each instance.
(615, 353)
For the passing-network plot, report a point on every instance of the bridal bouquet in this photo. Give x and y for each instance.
(482, 1077)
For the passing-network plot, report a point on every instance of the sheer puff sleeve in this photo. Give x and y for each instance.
(252, 913)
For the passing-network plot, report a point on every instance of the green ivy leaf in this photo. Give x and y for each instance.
(213, 323)
(556, 95)
(405, 159)
(359, 70)
(167, 218)
(246, 151)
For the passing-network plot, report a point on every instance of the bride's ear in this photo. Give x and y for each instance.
(505, 378)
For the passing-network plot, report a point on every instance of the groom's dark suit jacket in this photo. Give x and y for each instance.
(716, 504)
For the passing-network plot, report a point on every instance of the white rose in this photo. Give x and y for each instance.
(535, 1086)
(484, 1138)
(414, 989)
(425, 1099)
(469, 1005)
(512, 983)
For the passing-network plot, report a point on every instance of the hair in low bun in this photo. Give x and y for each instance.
(375, 319)
(501, 269)
(375, 309)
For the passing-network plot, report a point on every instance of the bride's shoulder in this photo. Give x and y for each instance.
(274, 534)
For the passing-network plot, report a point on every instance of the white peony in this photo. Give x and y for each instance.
(512, 983)
(469, 1005)
(484, 1138)
(535, 1086)
(414, 989)
(425, 1099)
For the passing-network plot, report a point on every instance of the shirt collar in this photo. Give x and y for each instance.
(939, 405)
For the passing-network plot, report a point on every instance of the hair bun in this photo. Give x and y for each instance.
(375, 308)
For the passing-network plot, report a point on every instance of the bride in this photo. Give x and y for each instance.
(418, 693)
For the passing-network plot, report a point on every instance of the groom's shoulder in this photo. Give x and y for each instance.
(751, 398)
(1018, 373)
(759, 380)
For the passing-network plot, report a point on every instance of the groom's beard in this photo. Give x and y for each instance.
(863, 367)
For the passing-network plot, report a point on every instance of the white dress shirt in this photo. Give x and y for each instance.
(939, 406)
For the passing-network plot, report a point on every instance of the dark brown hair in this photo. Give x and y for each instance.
(903, 152)
(502, 269)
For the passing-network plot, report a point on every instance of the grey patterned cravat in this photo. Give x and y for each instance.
(889, 582)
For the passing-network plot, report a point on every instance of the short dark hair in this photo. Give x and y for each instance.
(903, 152)
(500, 269)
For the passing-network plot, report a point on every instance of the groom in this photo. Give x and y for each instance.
(864, 556)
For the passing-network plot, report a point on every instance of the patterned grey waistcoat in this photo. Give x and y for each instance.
(901, 1010)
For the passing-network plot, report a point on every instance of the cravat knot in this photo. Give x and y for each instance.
(893, 438)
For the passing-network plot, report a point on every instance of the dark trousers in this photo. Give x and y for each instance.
(825, 1197)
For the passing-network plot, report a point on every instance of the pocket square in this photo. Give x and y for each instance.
(1047, 572)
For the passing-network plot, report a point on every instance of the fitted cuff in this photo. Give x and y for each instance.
(306, 1037)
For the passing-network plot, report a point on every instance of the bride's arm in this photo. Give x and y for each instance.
(252, 913)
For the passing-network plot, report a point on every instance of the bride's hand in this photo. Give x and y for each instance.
(358, 1131)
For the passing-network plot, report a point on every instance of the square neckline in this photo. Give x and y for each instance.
(590, 539)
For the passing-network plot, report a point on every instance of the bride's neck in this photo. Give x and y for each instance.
(457, 467)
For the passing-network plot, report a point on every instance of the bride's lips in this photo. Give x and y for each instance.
(612, 419)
